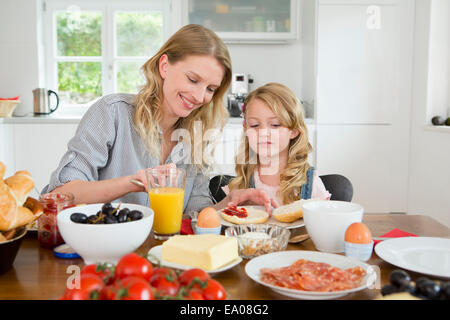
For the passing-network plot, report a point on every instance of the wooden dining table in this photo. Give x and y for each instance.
(38, 274)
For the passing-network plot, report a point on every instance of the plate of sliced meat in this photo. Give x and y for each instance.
(311, 274)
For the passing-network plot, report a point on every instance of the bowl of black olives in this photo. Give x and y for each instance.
(104, 232)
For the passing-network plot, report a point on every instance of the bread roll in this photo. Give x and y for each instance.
(2, 170)
(13, 193)
(290, 212)
(254, 216)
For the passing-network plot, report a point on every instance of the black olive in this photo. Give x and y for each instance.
(410, 288)
(389, 289)
(123, 216)
(124, 211)
(445, 291)
(110, 219)
(79, 217)
(135, 215)
(107, 207)
(399, 278)
(428, 289)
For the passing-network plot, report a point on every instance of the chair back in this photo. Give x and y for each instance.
(216, 184)
(340, 187)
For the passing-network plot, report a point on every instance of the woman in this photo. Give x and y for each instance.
(121, 135)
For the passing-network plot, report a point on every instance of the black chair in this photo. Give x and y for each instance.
(215, 186)
(339, 186)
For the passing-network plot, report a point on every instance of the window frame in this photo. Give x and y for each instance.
(108, 57)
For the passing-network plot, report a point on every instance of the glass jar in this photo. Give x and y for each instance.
(48, 232)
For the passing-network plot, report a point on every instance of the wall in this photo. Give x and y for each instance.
(18, 51)
(429, 172)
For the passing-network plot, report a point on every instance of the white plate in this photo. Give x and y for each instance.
(286, 258)
(156, 251)
(296, 224)
(430, 256)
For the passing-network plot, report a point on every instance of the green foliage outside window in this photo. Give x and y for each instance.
(80, 34)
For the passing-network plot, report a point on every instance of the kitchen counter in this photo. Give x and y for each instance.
(37, 274)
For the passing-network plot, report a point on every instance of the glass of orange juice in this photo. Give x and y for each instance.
(166, 195)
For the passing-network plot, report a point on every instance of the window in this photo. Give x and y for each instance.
(97, 47)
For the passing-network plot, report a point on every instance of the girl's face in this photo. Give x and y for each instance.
(188, 84)
(266, 136)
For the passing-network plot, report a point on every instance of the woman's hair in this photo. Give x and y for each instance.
(289, 111)
(190, 40)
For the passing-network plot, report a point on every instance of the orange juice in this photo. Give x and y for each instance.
(167, 203)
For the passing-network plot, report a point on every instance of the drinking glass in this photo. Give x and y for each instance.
(166, 195)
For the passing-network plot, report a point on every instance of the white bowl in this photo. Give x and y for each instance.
(99, 243)
(327, 221)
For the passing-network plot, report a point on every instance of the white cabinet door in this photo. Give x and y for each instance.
(374, 160)
(39, 148)
(357, 62)
(364, 77)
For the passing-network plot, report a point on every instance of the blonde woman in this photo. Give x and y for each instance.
(273, 155)
(122, 134)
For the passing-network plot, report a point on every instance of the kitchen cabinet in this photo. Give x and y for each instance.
(38, 148)
(246, 21)
(364, 52)
(6, 147)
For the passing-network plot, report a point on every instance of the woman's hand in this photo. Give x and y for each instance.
(251, 197)
(142, 176)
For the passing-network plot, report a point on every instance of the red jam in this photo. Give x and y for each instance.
(234, 211)
(53, 203)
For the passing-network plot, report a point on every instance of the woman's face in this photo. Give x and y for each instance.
(188, 84)
(266, 136)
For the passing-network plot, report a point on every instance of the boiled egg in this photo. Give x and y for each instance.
(358, 233)
(208, 218)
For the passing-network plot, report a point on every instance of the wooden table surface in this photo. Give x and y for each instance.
(37, 274)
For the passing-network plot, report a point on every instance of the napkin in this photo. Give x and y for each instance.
(395, 233)
(186, 227)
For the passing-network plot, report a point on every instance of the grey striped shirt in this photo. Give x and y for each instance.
(107, 146)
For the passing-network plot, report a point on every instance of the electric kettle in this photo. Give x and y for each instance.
(41, 101)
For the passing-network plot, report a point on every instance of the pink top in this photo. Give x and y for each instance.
(318, 192)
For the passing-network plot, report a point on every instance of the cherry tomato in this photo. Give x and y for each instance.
(104, 271)
(129, 288)
(90, 287)
(193, 294)
(214, 290)
(186, 277)
(133, 264)
(165, 272)
(165, 285)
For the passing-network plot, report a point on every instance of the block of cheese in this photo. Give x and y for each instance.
(205, 251)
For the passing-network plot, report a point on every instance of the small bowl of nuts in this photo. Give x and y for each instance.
(258, 239)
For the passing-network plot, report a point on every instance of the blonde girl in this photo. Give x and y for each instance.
(274, 150)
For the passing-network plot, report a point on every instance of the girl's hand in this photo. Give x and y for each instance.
(142, 176)
(252, 196)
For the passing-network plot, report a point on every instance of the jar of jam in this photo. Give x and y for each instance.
(53, 203)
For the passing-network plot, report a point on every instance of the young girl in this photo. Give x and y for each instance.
(273, 155)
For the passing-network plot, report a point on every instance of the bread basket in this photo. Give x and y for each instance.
(7, 107)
